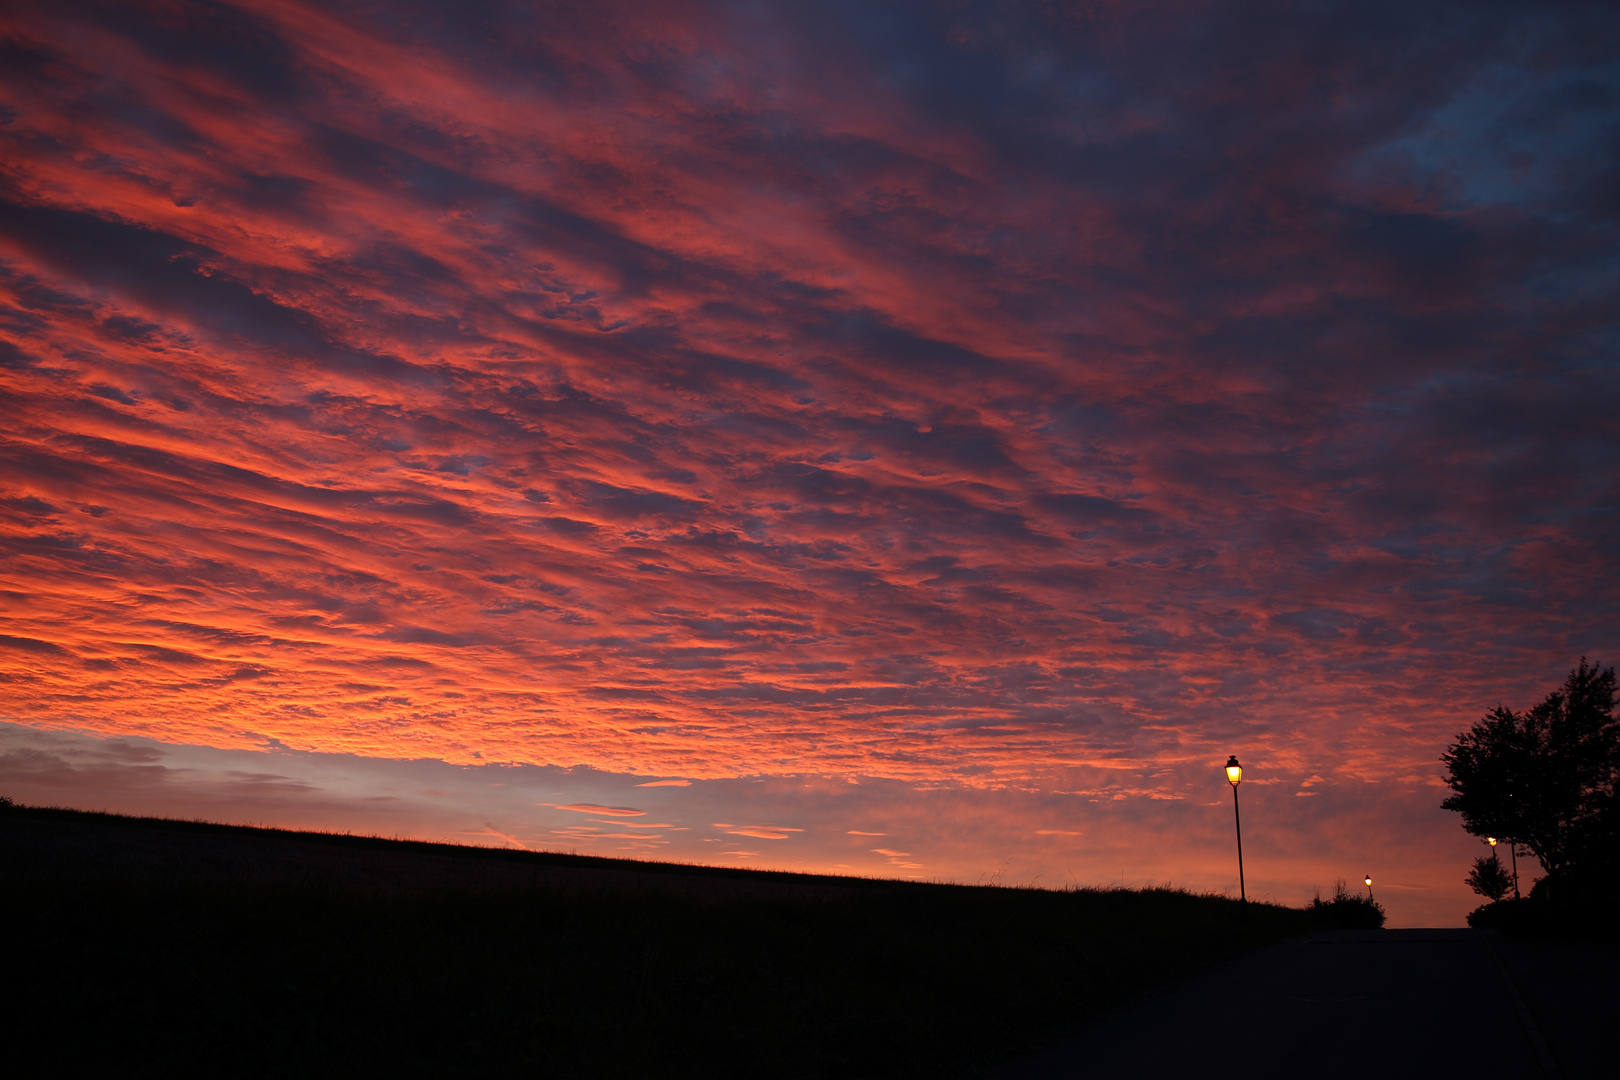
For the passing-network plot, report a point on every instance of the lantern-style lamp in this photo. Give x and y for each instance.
(1491, 840)
(1234, 776)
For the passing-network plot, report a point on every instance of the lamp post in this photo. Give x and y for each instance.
(1515, 853)
(1368, 881)
(1234, 776)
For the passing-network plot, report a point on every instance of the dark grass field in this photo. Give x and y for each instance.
(143, 947)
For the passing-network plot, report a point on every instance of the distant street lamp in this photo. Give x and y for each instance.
(1515, 853)
(1368, 880)
(1234, 776)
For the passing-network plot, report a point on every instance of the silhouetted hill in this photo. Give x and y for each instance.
(149, 947)
(53, 840)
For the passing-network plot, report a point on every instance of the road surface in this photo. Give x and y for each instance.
(1369, 1004)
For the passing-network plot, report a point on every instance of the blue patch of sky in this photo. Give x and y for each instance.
(1511, 137)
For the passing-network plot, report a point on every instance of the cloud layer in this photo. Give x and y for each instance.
(983, 394)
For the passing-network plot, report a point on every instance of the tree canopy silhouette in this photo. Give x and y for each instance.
(1545, 778)
(1488, 878)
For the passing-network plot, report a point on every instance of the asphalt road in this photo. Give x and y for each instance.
(1369, 1004)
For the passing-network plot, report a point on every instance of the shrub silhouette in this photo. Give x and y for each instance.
(1550, 911)
(1348, 910)
(1488, 878)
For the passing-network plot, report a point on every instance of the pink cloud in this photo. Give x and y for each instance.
(608, 811)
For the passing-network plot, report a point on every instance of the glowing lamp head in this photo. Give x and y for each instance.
(1368, 881)
(1234, 771)
(1492, 840)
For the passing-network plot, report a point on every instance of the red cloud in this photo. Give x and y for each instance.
(605, 811)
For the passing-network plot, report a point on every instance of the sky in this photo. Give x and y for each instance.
(907, 439)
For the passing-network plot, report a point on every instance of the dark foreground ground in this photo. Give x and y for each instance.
(1364, 1003)
(152, 948)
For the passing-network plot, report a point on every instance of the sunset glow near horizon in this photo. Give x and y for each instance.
(918, 439)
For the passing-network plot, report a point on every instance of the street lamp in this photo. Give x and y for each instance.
(1368, 881)
(1234, 776)
(1514, 851)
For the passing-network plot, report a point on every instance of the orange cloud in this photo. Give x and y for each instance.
(606, 811)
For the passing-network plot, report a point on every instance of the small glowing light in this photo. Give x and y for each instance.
(1368, 880)
(1234, 771)
(1492, 840)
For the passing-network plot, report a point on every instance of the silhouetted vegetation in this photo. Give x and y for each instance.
(142, 947)
(1348, 910)
(1544, 915)
(1488, 878)
(1546, 778)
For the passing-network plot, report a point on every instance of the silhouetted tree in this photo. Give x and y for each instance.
(1489, 879)
(1545, 778)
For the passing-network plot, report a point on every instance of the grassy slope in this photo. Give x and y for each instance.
(142, 947)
